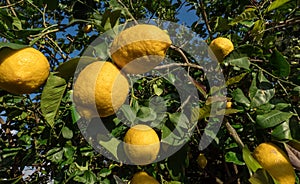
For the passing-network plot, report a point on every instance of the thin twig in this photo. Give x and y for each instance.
(184, 103)
(57, 46)
(11, 5)
(280, 24)
(181, 53)
(44, 16)
(277, 78)
(11, 8)
(234, 135)
(179, 64)
(204, 16)
(128, 12)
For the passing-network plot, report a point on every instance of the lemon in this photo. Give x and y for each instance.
(228, 105)
(220, 48)
(22, 71)
(201, 160)
(99, 90)
(143, 178)
(275, 162)
(140, 48)
(141, 144)
(87, 28)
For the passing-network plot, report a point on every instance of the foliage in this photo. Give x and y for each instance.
(40, 132)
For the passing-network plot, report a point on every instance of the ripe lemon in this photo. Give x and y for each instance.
(143, 178)
(141, 144)
(275, 162)
(99, 90)
(201, 160)
(140, 48)
(228, 105)
(87, 28)
(220, 47)
(22, 71)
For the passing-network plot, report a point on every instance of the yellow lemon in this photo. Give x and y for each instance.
(201, 160)
(228, 105)
(87, 28)
(22, 71)
(99, 90)
(140, 48)
(143, 178)
(141, 144)
(220, 48)
(275, 162)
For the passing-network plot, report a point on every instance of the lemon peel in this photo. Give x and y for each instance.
(275, 162)
(140, 48)
(142, 144)
(143, 178)
(22, 71)
(220, 48)
(99, 90)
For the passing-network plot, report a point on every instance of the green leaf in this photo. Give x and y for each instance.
(146, 114)
(280, 64)
(248, 14)
(251, 163)
(89, 177)
(179, 119)
(104, 172)
(240, 62)
(52, 95)
(200, 113)
(250, 50)
(129, 112)
(262, 97)
(17, 23)
(235, 79)
(111, 145)
(261, 177)
(222, 24)
(238, 96)
(69, 151)
(262, 92)
(67, 133)
(273, 118)
(233, 158)
(253, 88)
(258, 29)
(158, 91)
(67, 69)
(282, 131)
(75, 115)
(12, 45)
(55, 155)
(276, 4)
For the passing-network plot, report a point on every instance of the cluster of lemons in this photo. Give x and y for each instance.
(101, 88)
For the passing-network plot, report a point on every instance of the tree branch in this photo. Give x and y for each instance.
(280, 24)
(179, 64)
(234, 134)
(11, 5)
(204, 16)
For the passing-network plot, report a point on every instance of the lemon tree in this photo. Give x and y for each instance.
(61, 110)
